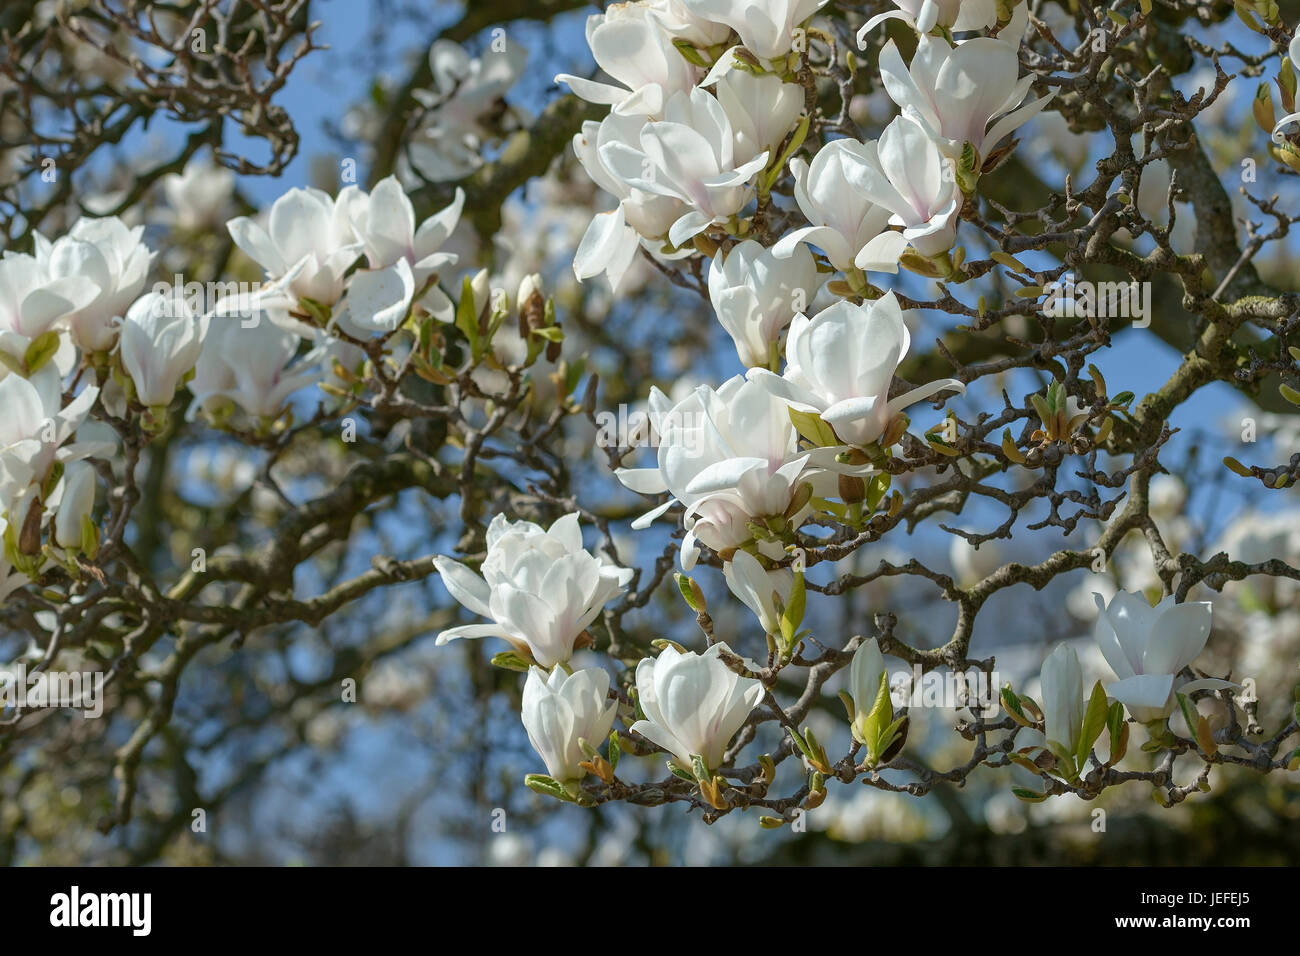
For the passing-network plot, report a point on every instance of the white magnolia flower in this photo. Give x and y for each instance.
(845, 224)
(251, 366)
(449, 143)
(969, 93)
(755, 295)
(1147, 647)
(384, 221)
(762, 110)
(159, 344)
(377, 301)
(925, 15)
(676, 17)
(840, 364)
(865, 672)
(76, 500)
(1062, 690)
(908, 175)
(36, 431)
(729, 456)
(539, 588)
(112, 258)
(765, 27)
(561, 709)
(611, 240)
(759, 588)
(693, 703)
(200, 195)
(385, 224)
(32, 302)
(309, 239)
(689, 155)
(631, 44)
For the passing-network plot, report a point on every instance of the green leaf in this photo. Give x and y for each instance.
(467, 315)
(615, 751)
(700, 770)
(547, 786)
(1094, 722)
(811, 427)
(510, 661)
(1029, 796)
(691, 592)
(792, 617)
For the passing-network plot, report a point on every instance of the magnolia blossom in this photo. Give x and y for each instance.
(36, 432)
(765, 27)
(612, 239)
(840, 364)
(865, 673)
(539, 588)
(199, 195)
(759, 588)
(755, 295)
(845, 224)
(676, 17)
(159, 345)
(925, 15)
(253, 367)
(689, 155)
(109, 256)
(31, 302)
(378, 300)
(631, 45)
(449, 142)
(908, 175)
(560, 709)
(761, 109)
(1063, 704)
(693, 703)
(384, 221)
(956, 92)
(1147, 647)
(729, 456)
(309, 238)
(76, 500)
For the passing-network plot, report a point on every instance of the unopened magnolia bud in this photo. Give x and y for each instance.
(852, 490)
(78, 500)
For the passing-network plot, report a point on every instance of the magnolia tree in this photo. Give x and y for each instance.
(780, 294)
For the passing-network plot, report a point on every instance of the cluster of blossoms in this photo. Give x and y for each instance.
(83, 336)
(707, 113)
(540, 589)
